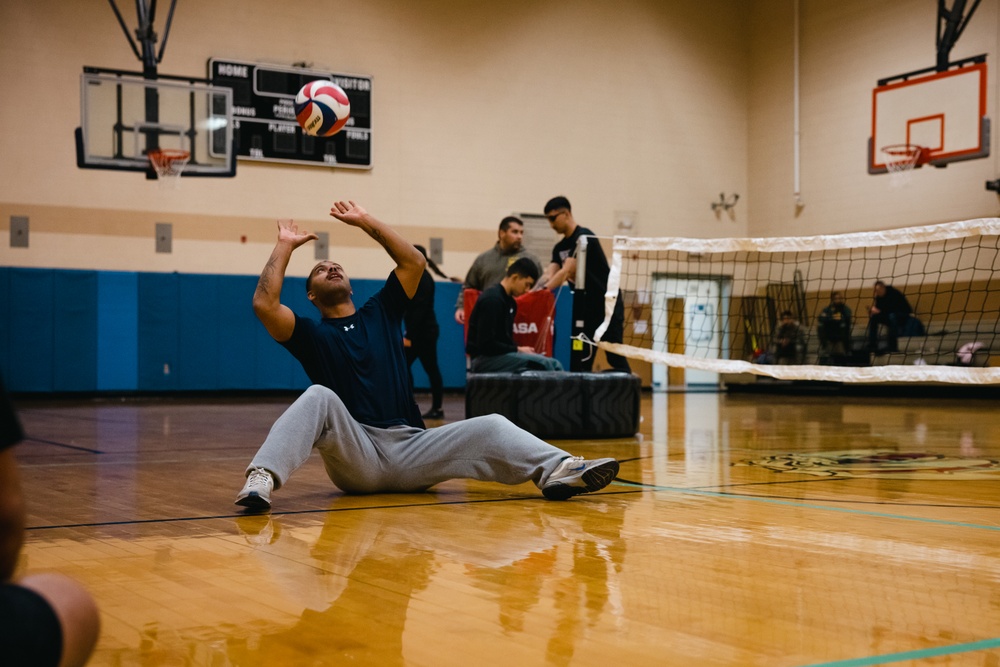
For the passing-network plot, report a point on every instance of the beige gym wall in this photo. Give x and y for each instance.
(481, 109)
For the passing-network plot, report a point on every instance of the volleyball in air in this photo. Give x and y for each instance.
(322, 108)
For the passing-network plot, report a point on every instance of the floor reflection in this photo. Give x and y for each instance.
(357, 580)
(376, 560)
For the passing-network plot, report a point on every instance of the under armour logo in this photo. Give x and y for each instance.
(348, 328)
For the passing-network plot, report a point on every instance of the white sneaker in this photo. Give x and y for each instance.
(575, 475)
(256, 493)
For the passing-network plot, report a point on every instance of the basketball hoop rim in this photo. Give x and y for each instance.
(902, 159)
(904, 150)
(168, 154)
(168, 161)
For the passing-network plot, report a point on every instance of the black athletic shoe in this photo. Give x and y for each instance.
(575, 475)
(433, 414)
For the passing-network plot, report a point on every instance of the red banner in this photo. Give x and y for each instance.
(533, 323)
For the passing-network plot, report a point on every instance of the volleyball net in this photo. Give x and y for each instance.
(765, 306)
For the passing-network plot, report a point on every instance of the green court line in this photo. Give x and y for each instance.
(912, 655)
(790, 503)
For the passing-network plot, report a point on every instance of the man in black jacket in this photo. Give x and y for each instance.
(890, 308)
(491, 326)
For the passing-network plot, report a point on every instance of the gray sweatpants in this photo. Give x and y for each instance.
(365, 459)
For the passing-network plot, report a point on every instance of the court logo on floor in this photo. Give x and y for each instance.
(880, 463)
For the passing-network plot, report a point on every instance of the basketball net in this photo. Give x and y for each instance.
(169, 163)
(900, 160)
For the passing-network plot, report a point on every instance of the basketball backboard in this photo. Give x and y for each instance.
(942, 112)
(124, 115)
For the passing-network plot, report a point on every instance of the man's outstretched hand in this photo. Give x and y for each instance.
(289, 232)
(348, 212)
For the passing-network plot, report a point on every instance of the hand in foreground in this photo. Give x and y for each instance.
(460, 316)
(289, 232)
(348, 212)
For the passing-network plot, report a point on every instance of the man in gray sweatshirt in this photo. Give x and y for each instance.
(490, 267)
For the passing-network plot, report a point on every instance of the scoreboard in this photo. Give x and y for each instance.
(264, 123)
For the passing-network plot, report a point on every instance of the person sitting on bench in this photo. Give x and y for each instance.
(891, 309)
(491, 326)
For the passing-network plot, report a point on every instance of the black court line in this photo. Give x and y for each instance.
(63, 445)
(100, 524)
(132, 452)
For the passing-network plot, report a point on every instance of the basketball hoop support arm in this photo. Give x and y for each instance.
(951, 24)
(145, 33)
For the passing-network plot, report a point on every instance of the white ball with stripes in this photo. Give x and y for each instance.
(322, 108)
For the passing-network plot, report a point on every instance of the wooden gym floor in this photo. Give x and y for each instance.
(743, 530)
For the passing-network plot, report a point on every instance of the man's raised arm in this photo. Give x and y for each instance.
(278, 319)
(410, 262)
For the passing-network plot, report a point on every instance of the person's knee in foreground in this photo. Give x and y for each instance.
(45, 619)
(360, 414)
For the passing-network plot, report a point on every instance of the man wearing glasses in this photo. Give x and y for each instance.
(588, 304)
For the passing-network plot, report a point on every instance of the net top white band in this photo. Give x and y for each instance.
(890, 237)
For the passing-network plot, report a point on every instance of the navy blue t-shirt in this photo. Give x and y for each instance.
(361, 358)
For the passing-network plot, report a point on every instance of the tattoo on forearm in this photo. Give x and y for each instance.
(266, 276)
(384, 242)
(377, 235)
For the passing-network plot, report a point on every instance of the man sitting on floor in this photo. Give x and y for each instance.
(491, 326)
(359, 414)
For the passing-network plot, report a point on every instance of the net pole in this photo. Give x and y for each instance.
(580, 281)
(611, 294)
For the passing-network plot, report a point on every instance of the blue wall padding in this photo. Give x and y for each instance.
(117, 331)
(238, 330)
(6, 324)
(199, 343)
(74, 344)
(158, 331)
(85, 331)
(31, 316)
